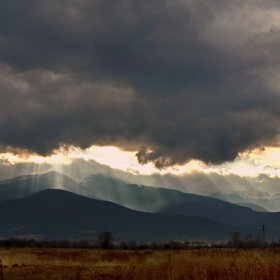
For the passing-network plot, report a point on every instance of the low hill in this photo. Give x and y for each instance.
(227, 213)
(57, 214)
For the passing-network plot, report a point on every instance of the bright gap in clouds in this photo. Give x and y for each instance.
(251, 164)
(108, 155)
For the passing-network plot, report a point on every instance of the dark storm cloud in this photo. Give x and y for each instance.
(174, 79)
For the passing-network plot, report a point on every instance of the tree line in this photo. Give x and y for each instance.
(105, 240)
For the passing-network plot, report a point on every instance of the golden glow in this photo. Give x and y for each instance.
(259, 161)
(251, 164)
(54, 159)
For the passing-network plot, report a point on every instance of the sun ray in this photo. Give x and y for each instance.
(256, 162)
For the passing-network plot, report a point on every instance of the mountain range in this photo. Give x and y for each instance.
(56, 207)
(264, 204)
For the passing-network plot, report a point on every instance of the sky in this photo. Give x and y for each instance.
(167, 87)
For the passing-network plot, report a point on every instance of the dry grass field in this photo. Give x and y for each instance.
(77, 264)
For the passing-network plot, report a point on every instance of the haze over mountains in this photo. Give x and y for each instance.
(133, 85)
(57, 214)
(133, 196)
(36, 204)
(260, 189)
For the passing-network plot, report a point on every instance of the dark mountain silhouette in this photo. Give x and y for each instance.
(161, 200)
(227, 213)
(141, 198)
(253, 206)
(57, 214)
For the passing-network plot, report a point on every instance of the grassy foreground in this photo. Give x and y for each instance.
(151, 265)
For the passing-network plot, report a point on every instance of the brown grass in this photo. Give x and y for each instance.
(206, 264)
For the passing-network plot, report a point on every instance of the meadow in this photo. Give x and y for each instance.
(78, 264)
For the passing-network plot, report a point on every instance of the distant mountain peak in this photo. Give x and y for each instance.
(103, 177)
(25, 185)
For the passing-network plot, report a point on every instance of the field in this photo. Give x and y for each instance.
(86, 264)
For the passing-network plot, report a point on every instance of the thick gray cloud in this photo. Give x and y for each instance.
(176, 79)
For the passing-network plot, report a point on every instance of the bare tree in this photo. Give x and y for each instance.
(235, 239)
(105, 240)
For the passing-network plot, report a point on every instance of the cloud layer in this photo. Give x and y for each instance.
(175, 80)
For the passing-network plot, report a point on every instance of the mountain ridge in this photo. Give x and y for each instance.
(58, 214)
(159, 201)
